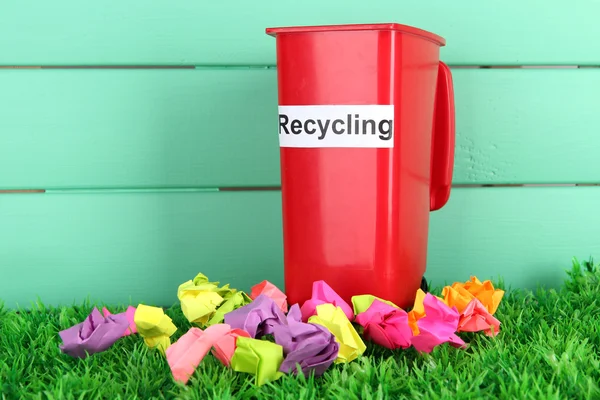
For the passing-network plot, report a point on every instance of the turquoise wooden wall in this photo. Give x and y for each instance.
(135, 136)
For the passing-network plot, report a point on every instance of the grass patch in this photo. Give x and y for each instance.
(548, 347)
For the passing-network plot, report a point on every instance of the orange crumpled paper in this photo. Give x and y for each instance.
(474, 316)
(457, 296)
(476, 302)
(483, 291)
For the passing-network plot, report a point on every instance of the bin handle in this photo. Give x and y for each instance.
(443, 138)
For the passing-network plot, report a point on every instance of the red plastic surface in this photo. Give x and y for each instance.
(359, 27)
(442, 153)
(358, 217)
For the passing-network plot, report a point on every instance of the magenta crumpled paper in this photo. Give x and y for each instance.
(386, 325)
(257, 318)
(322, 293)
(311, 346)
(438, 326)
(95, 334)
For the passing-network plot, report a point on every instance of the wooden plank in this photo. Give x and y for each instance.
(190, 32)
(140, 128)
(527, 126)
(199, 128)
(139, 247)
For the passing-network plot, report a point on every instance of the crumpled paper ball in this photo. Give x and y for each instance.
(386, 325)
(475, 317)
(233, 302)
(257, 318)
(129, 314)
(200, 299)
(187, 352)
(418, 310)
(154, 326)
(484, 292)
(437, 326)
(457, 296)
(322, 293)
(311, 346)
(225, 347)
(95, 334)
(335, 320)
(260, 358)
(272, 291)
(361, 303)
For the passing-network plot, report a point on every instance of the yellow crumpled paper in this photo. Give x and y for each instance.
(258, 357)
(484, 292)
(154, 326)
(335, 320)
(200, 299)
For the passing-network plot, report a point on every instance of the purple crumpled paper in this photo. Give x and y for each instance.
(95, 334)
(310, 345)
(257, 318)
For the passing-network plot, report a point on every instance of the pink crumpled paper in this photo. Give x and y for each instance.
(185, 354)
(386, 325)
(322, 293)
(224, 348)
(438, 326)
(272, 291)
(476, 317)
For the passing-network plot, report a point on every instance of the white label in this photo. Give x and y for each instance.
(370, 126)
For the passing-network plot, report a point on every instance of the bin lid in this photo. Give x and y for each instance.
(360, 27)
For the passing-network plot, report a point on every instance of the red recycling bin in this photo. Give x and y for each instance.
(366, 135)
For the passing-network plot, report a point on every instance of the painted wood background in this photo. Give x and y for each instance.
(130, 123)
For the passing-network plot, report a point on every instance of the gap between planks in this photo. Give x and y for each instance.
(269, 66)
(249, 188)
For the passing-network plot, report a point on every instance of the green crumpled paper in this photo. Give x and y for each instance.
(362, 302)
(258, 357)
(200, 299)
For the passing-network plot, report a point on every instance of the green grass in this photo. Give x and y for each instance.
(549, 347)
